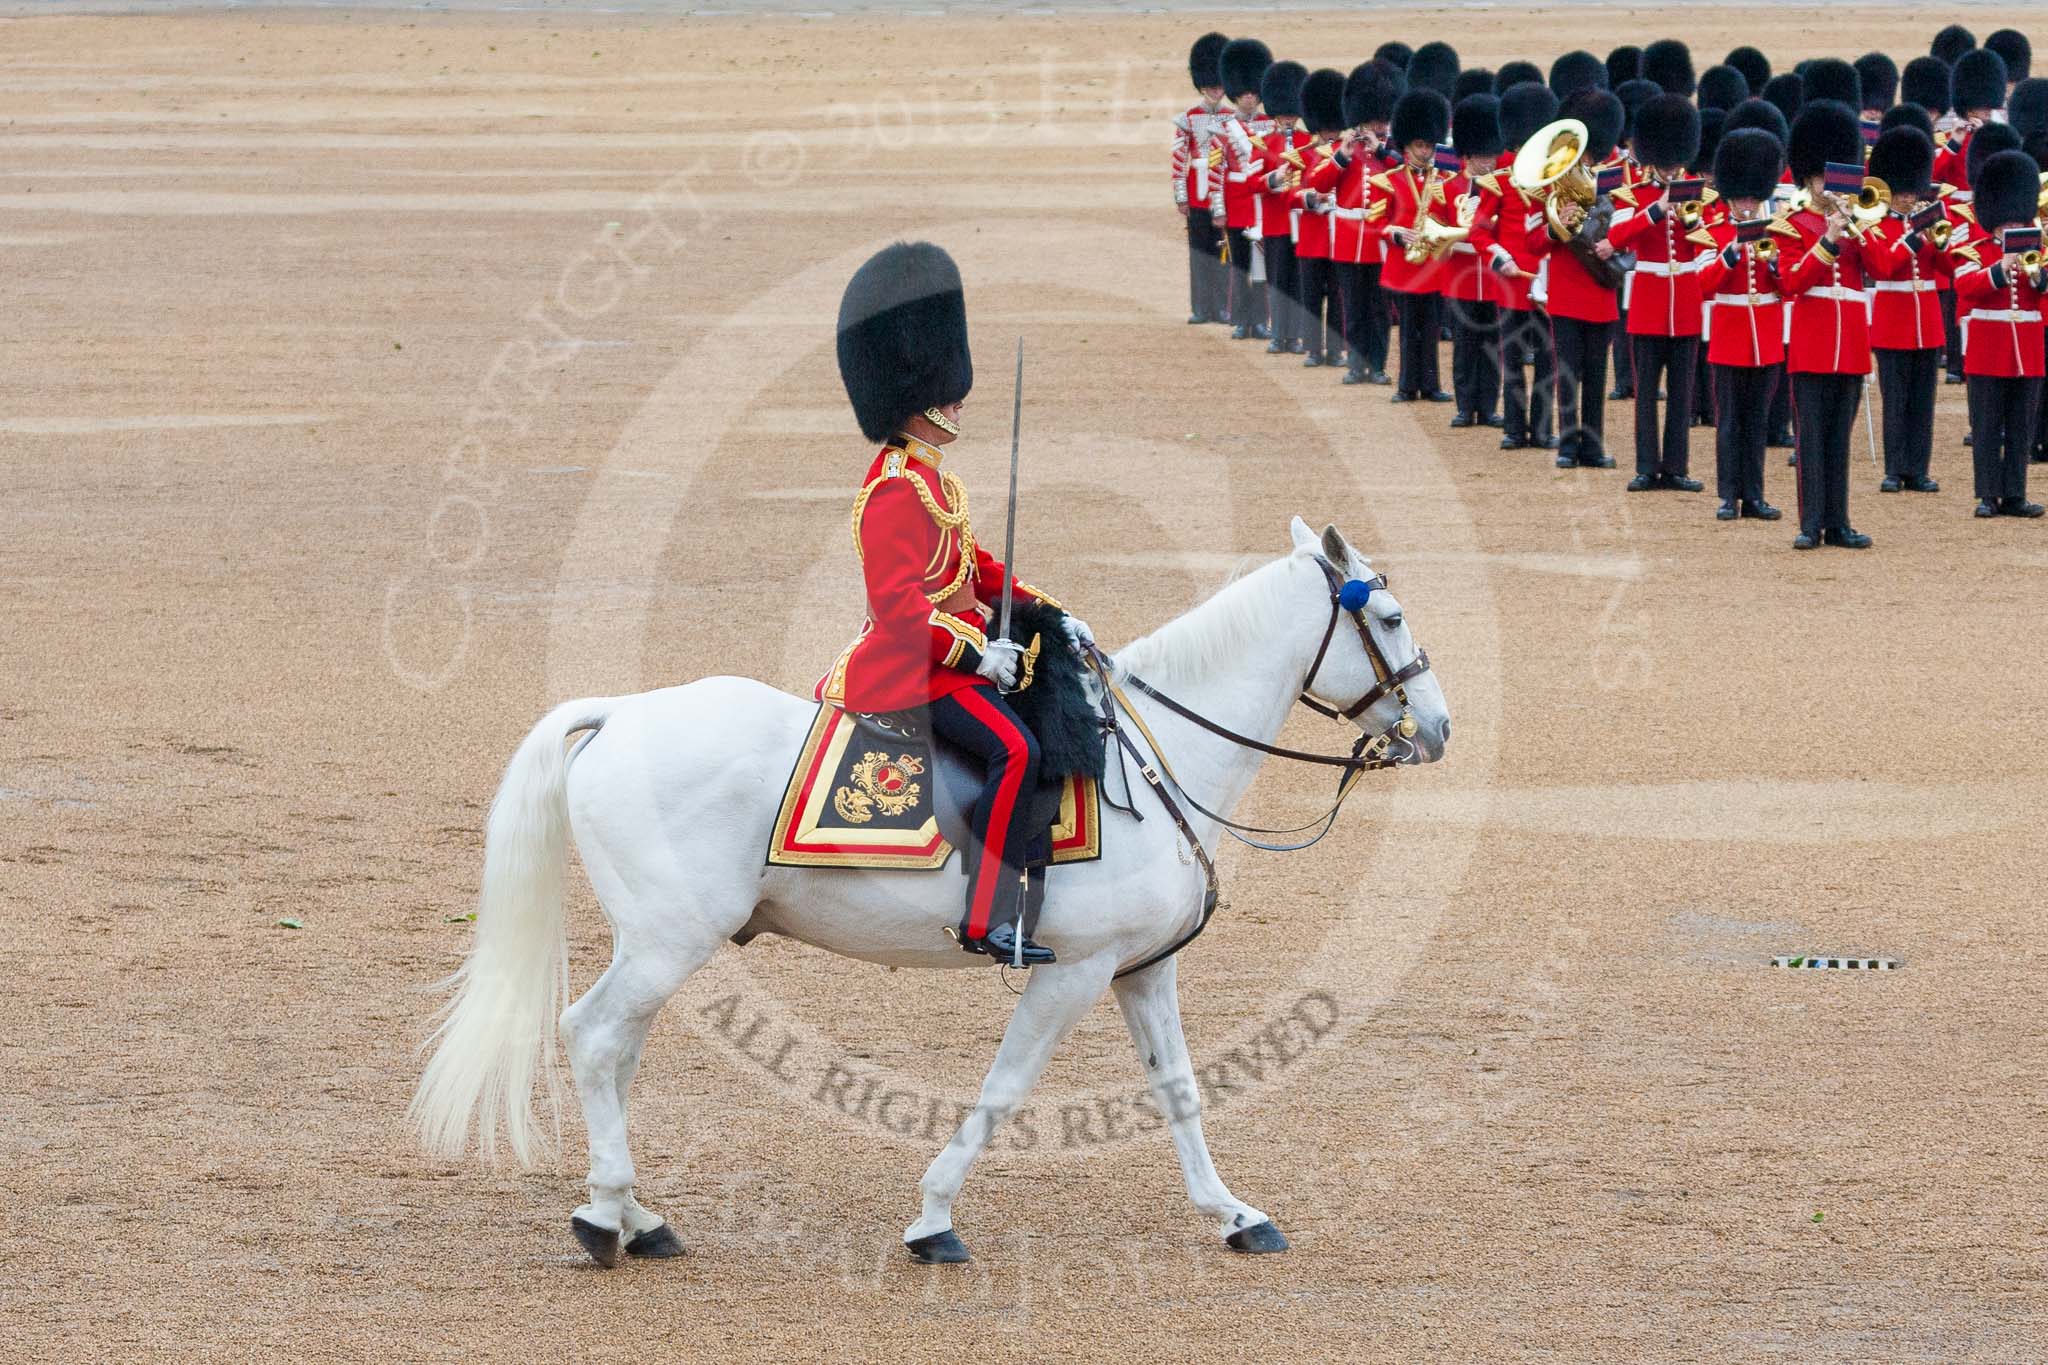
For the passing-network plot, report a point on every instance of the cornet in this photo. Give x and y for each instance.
(1939, 231)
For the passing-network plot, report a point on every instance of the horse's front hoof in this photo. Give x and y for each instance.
(601, 1243)
(941, 1248)
(1260, 1240)
(657, 1243)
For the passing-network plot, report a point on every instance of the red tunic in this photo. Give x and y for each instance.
(1404, 192)
(1348, 240)
(2004, 313)
(1319, 176)
(1244, 166)
(1749, 319)
(929, 588)
(1194, 139)
(1905, 311)
(1830, 321)
(1275, 209)
(1507, 225)
(1465, 275)
(1665, 299)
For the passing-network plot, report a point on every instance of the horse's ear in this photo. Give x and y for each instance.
(1304, 539)
(1335, 549)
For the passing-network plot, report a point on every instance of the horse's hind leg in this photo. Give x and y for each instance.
(1053, 1003)
(1151, 1006)
(604, 1033)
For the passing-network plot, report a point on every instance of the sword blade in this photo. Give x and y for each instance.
(1010, 532)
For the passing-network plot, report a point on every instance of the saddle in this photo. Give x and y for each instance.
(878, 790)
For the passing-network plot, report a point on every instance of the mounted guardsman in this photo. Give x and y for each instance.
(925, 646)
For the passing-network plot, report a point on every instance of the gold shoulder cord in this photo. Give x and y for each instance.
(947, 521)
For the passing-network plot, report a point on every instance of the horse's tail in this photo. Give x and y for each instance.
(497, 1031)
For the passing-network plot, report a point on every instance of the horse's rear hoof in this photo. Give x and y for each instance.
(601, 1243)
(1260, 1240)
(941, 1248)
(657, 1243)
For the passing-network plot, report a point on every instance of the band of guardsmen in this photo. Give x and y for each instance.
(1740, 248)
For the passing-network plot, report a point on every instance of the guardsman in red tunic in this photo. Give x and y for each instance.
(1664, 307)
(1473, 291)
(1977, 87)
(1410, 191)
(1747, 350)
(1243, 65)
(1511, 235)
(1584, 308)
(1198, 156)
(1906, 331)
(2000, 292)
(931, 588)
(1280, 93)
(1830, 347)
(1369, 95)
(1322, 108)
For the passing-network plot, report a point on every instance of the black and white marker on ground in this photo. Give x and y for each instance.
(1840, 964)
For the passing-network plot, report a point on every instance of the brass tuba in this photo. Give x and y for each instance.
(1552, 167)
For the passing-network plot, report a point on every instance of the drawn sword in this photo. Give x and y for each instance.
(1009, 600)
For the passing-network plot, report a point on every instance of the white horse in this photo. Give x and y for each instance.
(671, 802)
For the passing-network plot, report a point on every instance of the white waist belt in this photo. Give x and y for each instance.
(1904, 286)
(1667, 268)
(1744, 300)
(2005, 315)
(1835, 293)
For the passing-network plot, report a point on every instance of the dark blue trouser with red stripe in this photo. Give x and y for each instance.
(978, 721)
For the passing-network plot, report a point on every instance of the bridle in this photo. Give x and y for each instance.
(1348, 598)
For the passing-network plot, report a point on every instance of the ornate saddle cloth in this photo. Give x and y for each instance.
(861, 798)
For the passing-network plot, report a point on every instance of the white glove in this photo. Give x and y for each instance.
(1078, 634)
(999, 662)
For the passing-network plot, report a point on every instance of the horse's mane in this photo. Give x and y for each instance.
(1199, 642)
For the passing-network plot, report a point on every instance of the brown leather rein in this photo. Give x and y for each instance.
(1370, 754)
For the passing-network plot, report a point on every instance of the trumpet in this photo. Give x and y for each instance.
(1689, 215)
(1765, 250)
(1939, 231)
(2030, 261)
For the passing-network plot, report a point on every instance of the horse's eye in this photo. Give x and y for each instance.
(1393, 623)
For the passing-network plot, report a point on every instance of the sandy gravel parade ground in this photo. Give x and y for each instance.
(375, 380)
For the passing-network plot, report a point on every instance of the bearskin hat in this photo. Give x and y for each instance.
(1420, 116)
(1824, 131)
(903, 337)
(1395, 54)
(2006, 189)
(1831, 78)
(1788, 92)
(1205, 60)
(1243, 66)
(1475, 126)
(1370, 92)
(1523, 109)
(2027, 108)
(1977, 81)
(1722, 87)
(1624, 63)
(2013, 48)
(1604, 118)
(1513, 73)
(1753, 64)
(1951, 43)
(1713, 127)
(1669, 63)
(1434, 67)
(1878, 75)
(1322, 101)
(1762, 114)
(1667, 131)
(1473, 80)
(1925, 82)
(1633, 95)
(1280, 89)
(1907, 116)
(1904, 159)
(1987, 142)
(1575, 71)
(1747, 164)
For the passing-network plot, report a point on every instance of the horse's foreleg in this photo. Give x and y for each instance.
(1052, 1004)
(1151, 1006)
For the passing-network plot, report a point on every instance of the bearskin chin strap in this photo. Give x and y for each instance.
(941, 421)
